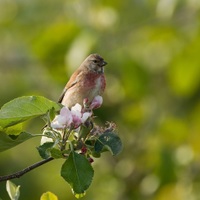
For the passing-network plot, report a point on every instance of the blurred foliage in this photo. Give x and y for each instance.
(153, 90)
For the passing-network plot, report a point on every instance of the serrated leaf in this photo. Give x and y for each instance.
(13, 190)
(44, 149)
(48, 196)
(110, 141)
(7, 142)
(78, 172)
(24, 108)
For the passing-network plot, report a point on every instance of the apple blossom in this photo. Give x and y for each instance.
(64, 119)
(79, 117)
(70, 118)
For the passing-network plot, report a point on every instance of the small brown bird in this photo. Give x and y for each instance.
(86, 82)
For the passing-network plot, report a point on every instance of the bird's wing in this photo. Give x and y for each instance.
(75, 78)
(65, 90)
(62, 95)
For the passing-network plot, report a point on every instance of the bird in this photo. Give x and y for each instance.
(85, 83)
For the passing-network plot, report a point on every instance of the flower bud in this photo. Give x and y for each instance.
(97, 102)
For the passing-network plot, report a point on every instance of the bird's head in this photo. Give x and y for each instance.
(95, 63)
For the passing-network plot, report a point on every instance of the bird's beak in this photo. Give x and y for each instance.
(104, 63)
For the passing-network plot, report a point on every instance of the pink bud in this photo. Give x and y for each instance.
(91, 160)
(85, 102)
(83, 150)
(96, 102)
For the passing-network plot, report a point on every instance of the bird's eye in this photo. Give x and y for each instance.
(94, 61)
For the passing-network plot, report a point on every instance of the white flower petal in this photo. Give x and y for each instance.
(57, 125)
(63, 120)
(76, 110)
(85, 116)
(77, 107)
(45, 139)
(64, 111)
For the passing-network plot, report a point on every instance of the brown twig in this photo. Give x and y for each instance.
(24, 171)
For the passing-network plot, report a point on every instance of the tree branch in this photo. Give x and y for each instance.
(24, 171)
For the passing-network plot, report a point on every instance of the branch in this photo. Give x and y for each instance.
(24, 171)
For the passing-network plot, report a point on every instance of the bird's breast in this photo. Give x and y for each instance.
(95, 82)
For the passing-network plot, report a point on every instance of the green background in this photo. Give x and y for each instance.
(153, 90)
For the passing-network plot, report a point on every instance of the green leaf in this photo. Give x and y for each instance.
(12, 130)
(7, 142)
(44, 149)
(109, 141)
(52, 113)
(96, 154)
(24, 108)
(48, 196)
(13, 190)
(56, 153)
(78, 172)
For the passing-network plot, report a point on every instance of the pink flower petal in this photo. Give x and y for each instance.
(65, 116)
(76, 121)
